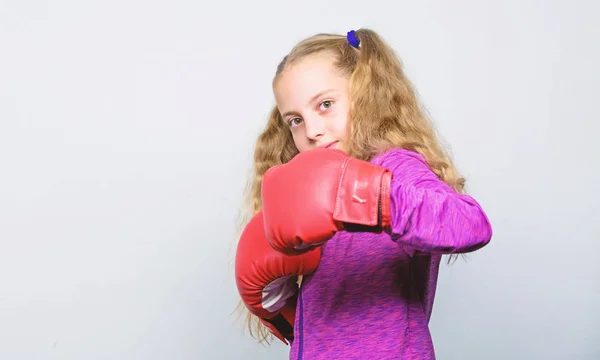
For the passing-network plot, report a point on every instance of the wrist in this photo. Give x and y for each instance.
(385, 216)
(363, 199)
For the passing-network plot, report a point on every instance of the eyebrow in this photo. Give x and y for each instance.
(312, 99)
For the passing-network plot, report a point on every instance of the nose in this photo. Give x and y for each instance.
(315, 128)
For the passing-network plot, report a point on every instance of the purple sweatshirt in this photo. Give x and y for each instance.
(371, 296)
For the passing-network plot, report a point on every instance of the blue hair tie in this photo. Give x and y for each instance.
(352, 39)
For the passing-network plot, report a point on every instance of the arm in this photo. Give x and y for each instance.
(428, 215)
(322, 191)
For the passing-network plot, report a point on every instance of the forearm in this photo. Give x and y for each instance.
(434, 221)
(427, 214)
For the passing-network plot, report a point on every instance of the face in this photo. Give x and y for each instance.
(312, 97)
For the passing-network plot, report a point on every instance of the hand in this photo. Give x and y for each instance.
(266, 278)
(319, 192)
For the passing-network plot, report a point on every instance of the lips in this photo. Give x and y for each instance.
(328, 145)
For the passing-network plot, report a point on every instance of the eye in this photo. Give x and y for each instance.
(325, 104)
(295, 122)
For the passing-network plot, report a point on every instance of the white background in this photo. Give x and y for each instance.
(126, 132)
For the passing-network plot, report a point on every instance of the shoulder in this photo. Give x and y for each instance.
(407, 166)
(399, 157)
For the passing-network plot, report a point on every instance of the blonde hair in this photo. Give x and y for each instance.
(384, 113)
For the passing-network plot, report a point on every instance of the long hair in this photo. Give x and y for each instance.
(385, 113)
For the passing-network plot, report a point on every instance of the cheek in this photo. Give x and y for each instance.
(340, 125)
(300, 140)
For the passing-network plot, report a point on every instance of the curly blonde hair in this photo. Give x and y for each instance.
(384, 113)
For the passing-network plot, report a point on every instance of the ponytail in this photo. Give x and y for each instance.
(381, 94)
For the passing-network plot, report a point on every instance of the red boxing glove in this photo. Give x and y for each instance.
(322, 191)
(266, 278)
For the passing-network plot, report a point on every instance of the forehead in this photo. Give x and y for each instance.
(302, 80)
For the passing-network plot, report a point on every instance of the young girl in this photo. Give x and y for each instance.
(353, 192)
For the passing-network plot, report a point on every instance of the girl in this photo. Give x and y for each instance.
(349, 164)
